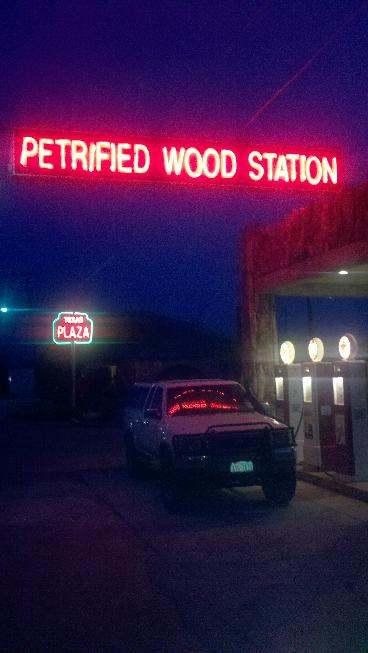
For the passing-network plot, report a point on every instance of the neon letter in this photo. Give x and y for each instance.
(86, 333)
(45, 152)
(123, 156)
(269, 156)
(281, 170)
(256, 176)
(92, 157)
(26, 153)
(62, 142)
(113, 157)
(210, 152)
(79, 153)
(329, 171)
(173, 160)
(228, 155)
(190, 153)
(60, 331)
(136, 167)
(302, 159)
(292, 158)
(100, 154)
(317, 178)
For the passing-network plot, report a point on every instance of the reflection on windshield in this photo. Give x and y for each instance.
(198, 400)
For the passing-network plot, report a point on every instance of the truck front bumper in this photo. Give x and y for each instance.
(206, 469)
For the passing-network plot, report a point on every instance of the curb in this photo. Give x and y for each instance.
(335, 486)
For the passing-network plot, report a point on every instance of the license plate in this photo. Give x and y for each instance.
(241, 466)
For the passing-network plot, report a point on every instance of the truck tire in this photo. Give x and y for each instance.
(279, 490)
(136, 469)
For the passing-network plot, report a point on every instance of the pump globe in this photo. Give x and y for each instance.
(316, 350)
(287, 352)
(348, 347)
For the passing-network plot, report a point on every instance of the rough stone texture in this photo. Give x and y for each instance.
(317, 229)
(332, 231)
(259, 339)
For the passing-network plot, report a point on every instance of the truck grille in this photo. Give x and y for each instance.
(229, 447)
(233, 442)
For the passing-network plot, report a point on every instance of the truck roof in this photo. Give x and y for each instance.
(184, 382)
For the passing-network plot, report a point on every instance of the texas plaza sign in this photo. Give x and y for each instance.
(72, 328)
(61, 154)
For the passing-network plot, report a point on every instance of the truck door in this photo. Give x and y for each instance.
(152, 423)
(138, 425)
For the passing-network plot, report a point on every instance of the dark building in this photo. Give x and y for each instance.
(125, 349)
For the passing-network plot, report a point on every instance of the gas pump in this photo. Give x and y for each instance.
(287, 355)
(317, 408)
(296, 415)
(282, 393)
(311, 448)
(350, 388)
(289, 395)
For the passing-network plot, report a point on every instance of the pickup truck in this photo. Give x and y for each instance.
(208, 433)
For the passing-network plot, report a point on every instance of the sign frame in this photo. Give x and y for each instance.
(72, 342)
(256, 164)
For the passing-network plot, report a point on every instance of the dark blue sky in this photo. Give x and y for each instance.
(198, 69)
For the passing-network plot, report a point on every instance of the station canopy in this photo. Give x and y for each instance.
(320, 251)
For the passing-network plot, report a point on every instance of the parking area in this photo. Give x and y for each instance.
(92, 562)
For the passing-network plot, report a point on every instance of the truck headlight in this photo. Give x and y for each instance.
(282, 438)
(191, 444)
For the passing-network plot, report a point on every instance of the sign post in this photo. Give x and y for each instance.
(72, 328)
(73, 366)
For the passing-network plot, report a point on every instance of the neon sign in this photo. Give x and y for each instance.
(72, 327)
(60, 154)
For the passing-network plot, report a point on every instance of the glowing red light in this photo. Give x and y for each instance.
(200, 405)
(84, 156)
(220, 406)
(174, 409)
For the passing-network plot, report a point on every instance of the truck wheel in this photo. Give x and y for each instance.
(279, 490)
(135, 468)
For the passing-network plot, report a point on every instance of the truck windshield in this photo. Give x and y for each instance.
(202, 399)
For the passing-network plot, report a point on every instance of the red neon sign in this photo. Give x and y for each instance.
(61, 154)
(72, 327)
(200, 405)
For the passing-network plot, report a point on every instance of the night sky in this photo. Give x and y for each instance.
(199, 70)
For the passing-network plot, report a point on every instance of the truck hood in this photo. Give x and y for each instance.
(191, 424)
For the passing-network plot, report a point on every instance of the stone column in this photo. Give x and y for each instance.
(259, 332)
(259, 347)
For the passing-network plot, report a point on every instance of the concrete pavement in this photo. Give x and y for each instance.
(90, 561)
(330, 482)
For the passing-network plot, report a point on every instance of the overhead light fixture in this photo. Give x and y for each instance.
(343, 272)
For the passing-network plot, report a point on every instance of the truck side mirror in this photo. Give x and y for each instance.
(266, 408)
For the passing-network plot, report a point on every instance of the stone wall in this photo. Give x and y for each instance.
(332, 224)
